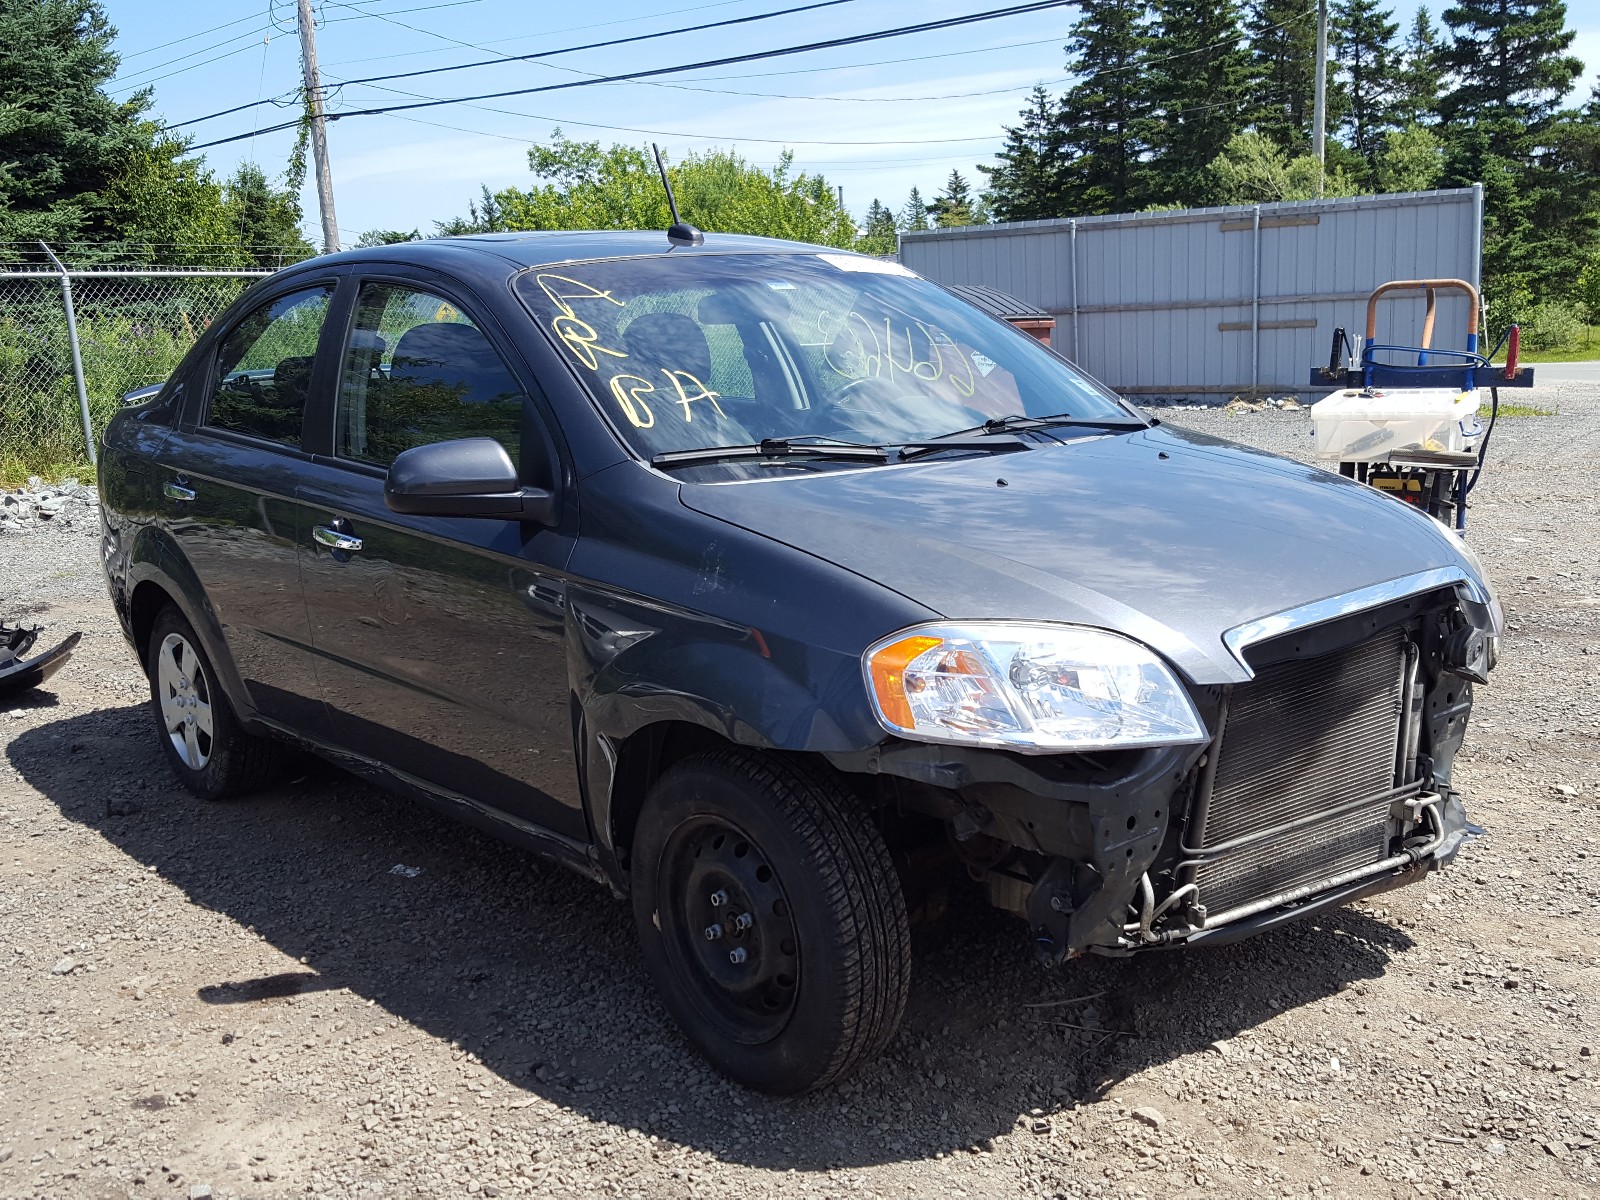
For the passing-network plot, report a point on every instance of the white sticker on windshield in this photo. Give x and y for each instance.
(862, 265)
(780, 285)
(983, 362)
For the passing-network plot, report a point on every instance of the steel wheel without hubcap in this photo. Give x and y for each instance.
(184, 695)
(727, 927)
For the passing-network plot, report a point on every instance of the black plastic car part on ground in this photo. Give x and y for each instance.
(787, 594)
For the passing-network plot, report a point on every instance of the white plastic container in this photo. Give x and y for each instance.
(1354, 426)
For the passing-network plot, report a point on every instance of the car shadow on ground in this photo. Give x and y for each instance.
(536, 971)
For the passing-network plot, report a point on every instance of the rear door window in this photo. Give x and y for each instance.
(264, 367)
(417, 370)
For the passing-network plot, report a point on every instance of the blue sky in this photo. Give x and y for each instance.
(877, 127)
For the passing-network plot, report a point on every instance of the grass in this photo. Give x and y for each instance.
(1522, 410)
(1585, 349)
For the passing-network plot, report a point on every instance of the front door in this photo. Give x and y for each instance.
(441, 641)
(227, 479)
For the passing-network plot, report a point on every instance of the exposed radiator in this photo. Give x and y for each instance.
(1305, 774)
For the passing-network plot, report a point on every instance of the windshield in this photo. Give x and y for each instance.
(690, 352)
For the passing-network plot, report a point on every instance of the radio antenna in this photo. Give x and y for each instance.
(681, 233)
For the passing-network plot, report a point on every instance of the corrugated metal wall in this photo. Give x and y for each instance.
(1221, 301)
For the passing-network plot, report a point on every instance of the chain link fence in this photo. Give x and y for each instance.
(132, 328)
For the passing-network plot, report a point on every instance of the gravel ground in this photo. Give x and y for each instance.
(254, 998)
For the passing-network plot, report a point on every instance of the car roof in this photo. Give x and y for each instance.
(474, 253)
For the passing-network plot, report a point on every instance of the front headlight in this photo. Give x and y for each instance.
(1035, 688)
(1490, 597)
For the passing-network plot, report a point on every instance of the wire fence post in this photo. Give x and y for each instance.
(77, 355)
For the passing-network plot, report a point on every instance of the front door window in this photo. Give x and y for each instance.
(417, 371)
(264, 368)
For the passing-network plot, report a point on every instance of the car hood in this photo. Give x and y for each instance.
(1169, 537)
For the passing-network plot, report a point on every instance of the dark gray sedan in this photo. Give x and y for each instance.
(771, 586)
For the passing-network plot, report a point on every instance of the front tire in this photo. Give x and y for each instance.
(771, 919)
(202, 739)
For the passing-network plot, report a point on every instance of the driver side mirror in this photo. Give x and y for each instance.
(467, 477)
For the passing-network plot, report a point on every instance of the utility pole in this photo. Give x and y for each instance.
(319, 129)
(1319, 117)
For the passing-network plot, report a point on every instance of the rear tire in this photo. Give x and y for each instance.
(202, 739)
(771, 919)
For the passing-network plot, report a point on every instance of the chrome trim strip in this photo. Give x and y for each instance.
(1241, 637)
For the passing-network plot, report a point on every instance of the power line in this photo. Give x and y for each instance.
(528, 37)
(123, 85)
(640, 37)
(710, 137)
(542, 54)
(188, 37)
(901, 31)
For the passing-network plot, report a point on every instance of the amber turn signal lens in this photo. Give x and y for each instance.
(888, 667)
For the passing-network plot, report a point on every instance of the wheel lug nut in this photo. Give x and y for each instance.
(743, 921)
(718, 898)
(737, 955)
(713, 932)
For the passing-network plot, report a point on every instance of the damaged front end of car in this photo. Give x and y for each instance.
(1323, 776)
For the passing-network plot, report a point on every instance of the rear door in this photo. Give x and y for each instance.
(227, 477)
(441, 641)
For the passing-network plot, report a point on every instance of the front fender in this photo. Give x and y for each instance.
(641, 664)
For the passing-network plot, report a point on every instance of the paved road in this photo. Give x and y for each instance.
(1572, 372)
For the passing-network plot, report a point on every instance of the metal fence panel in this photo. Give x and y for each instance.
(1214, 302)
(133, 328)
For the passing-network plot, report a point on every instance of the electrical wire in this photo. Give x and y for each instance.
(543, 54)
(818, 4)
(711, 137)
(856, 39)
(122, 84)
(188, 37)
(528, 37)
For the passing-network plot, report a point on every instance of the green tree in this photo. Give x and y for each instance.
(1283, 45)
(956, 205)
(879, 236)
(1201, 82)
(583, 186)
(1417, 74)
(63, 140)
(1409, 160)
(388, 237)
(264, 220)
(164, 208)
(1254, 169)
(1028, 180)
(1106, 118)
(1368, 63)
(1508, 62)
(483, 216)
(914, 215)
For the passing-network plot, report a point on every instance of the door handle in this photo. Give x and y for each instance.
(176, 491)
(334, 540)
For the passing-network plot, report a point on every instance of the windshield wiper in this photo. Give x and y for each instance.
(1017, 422)
(805, 446)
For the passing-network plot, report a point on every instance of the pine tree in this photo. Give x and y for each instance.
(955, 205)
(1417, 73)
(914, 215)
(1106, 118)
(879, 236)
(1028, 182)
(1283, 45)
(1200, 81)
(1364, 42)
(1508, 62)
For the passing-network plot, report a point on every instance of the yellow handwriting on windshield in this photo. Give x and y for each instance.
(860, 349)
(630, 391)
(575, 333)
(677, 379)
